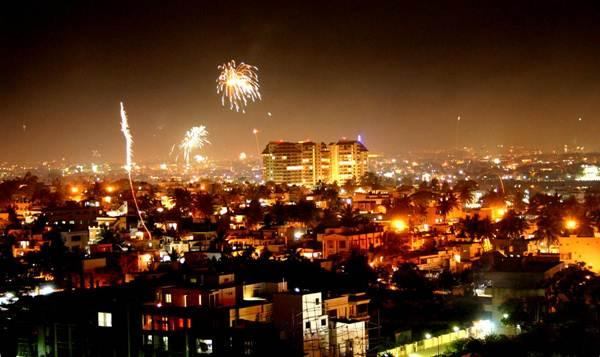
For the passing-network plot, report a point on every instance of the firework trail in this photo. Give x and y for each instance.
(195, 138)
(238, 84)
(129, 162)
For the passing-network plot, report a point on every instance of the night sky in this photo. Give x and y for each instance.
(396, 72)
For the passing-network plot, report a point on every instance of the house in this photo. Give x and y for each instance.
(340, 241)
(300, 318)
(512, 277)
(75, 241)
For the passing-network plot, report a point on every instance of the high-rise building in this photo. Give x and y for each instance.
(306, 163)
(348, 160)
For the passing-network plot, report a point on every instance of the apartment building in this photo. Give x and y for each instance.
(306, 163)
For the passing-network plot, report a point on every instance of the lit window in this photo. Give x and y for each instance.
(168, 298)
(185, 300)
(199, 299)
(105, 319)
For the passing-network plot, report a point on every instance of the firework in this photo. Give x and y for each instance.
(238, 84)
(195, 138)
(128, 140)
(129, 163)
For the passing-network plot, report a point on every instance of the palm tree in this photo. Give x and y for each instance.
(549, 226)
(511, 226)
(349, 218)
(493, 199)
(475, 228)
(446, 204)
(466, 191)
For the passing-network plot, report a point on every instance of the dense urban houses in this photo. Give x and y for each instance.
(376, 265)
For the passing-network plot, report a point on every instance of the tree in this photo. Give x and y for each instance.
(475, 228)
(279, 213)
(372, 180)
(254, 213)
(465, 190)
(205, 204)
(549, 226)
(446, 204)
(359, 271)
(306, 212)
(409, 277)
(349, 218)
(493, 199)
(511, 226)
(183, 199)
(402, 206)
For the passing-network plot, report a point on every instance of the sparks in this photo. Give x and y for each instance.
(195, 138)
(129, 163)
(128, 140)
(238, 84)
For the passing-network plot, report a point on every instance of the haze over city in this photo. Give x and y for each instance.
(381, 178)
(397, 73)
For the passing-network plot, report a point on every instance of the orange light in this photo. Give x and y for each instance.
(74, 189)
(109, 189)
(399, 225)
(570, 224)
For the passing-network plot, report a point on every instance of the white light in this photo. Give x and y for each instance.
(45, 290)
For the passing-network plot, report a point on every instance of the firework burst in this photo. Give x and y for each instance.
(238, 84)
(195, 138)
(129, 163)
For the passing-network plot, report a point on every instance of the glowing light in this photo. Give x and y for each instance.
(483, 328)
(298, 235)
(46, 290)
(455, 329)
(399, 225)
(243, 156)
(146, 258)
(238, 84)
(110, 189)
(570, 224)
(427, 335)
(74, 189)
(195, 138)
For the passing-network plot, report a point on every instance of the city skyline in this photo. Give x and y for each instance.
(520, 75)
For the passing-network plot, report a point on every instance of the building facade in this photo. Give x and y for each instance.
(307, 163)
